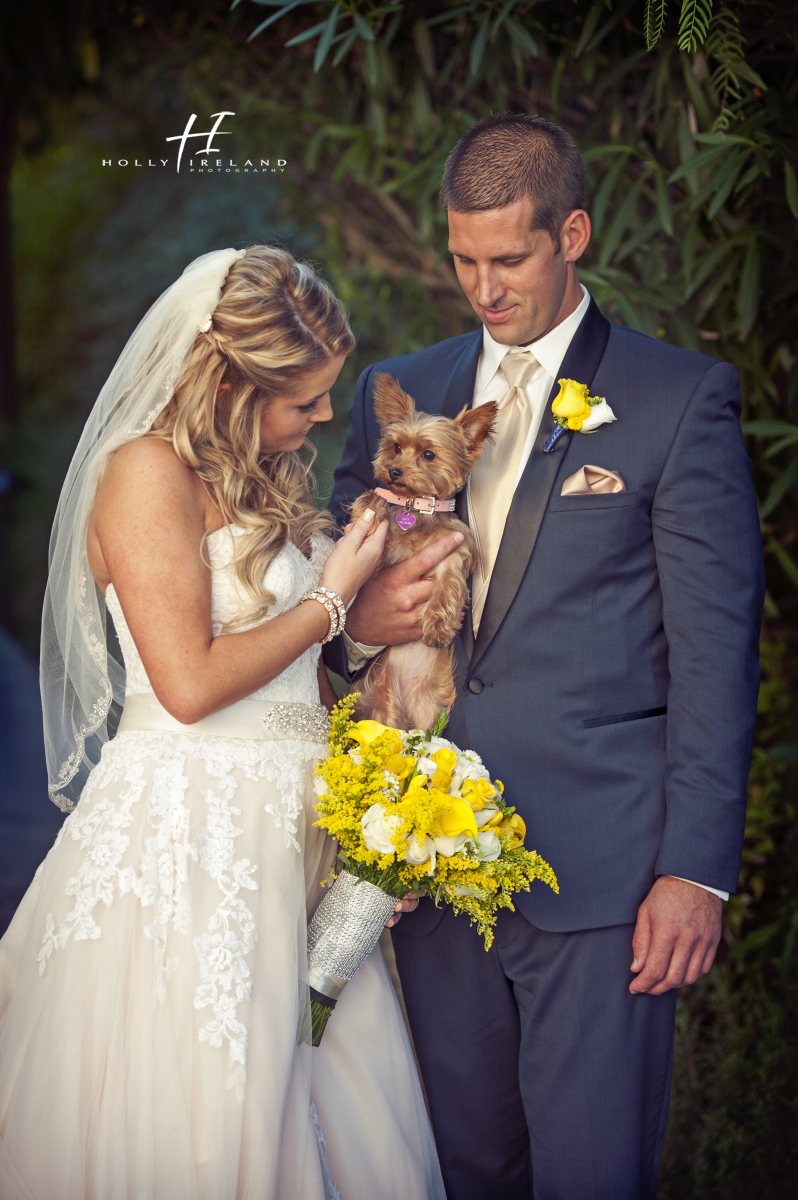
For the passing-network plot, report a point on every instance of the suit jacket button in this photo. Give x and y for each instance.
(475, 686)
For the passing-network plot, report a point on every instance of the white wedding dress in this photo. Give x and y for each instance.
(150, 997)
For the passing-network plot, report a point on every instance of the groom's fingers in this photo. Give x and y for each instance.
(417, 565)
(658, 960)
(408, 904)
(641, 939)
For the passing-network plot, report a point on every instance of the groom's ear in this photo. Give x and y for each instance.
(391, 403)
(477, 425)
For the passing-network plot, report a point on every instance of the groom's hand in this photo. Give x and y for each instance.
(676, 936)
(389, 606)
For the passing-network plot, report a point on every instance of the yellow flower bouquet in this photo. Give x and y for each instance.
(411, 813)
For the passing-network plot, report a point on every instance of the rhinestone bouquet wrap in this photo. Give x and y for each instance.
(342, 934)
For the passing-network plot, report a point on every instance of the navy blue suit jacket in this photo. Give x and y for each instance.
(613, 682)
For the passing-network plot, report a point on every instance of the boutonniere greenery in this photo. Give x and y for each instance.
(574, 408)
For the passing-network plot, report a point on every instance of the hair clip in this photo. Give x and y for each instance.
(206, 324)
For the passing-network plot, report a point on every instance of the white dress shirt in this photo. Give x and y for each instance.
(491, 384)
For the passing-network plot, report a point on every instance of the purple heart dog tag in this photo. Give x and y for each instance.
(405, 519)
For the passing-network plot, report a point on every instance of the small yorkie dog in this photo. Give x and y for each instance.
(422, 462)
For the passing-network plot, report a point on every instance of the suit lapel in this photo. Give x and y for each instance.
(532, 494)
(460, 388)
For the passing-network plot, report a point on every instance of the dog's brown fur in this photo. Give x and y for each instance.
(409, 685)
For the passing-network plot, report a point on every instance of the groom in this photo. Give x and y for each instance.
(607, 672)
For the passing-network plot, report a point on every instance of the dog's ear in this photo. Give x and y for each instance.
(478, 426)
(391, 403)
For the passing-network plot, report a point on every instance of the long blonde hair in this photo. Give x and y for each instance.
(275, 322)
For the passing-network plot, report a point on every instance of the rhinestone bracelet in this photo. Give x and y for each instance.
(338, 602)
(335, 608)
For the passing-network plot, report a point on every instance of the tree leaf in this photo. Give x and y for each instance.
(502, 17)
(326, 38)
(307, 34)
(594, 152)
(791, 188)
(588, 29)
(776, 448)
(522, 37)
(653, 22)
(346, 45)
(664, 207)
(709, 262)
(748, 295)
(363, 28)
(478, 45)
(725, 183)
(276, 17)
(779, 489)
(769, 428)
(698, 160)
(620, 221)
(756, 940)
(448, 16)
(605, 191)
(694, 24)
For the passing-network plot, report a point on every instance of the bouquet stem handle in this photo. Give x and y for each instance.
(343, 932)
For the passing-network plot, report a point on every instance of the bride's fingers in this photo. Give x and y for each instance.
(358, 531)
(375, 545)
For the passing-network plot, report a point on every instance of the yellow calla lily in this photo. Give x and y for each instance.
(366, 732)
(517, 826)
(571, 403)
(457, 818)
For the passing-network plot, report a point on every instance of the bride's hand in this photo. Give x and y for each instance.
(355, 557)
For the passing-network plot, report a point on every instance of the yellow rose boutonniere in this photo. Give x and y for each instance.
(574, 408)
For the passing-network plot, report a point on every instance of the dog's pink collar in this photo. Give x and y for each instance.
(424, 504)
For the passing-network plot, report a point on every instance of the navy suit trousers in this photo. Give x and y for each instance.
(546, 1078)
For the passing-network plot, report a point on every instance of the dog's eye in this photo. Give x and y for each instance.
(428, 455)
(397, 449)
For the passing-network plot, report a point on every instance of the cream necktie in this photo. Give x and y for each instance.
(492, 482)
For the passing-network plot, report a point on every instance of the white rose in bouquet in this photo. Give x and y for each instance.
(426, 766)
(485, 814)
(418, 854)
(379, 828)
(467, 768)
(447, 846)
(489, 845)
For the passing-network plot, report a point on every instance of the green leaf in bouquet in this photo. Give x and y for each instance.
(441, 723)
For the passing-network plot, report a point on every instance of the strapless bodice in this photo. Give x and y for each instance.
(288, 578)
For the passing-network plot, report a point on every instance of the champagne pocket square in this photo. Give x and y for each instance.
(590, 479)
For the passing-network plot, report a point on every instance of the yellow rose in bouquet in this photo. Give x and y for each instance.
(411, 812)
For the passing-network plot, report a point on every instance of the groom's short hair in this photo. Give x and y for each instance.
(511, 155)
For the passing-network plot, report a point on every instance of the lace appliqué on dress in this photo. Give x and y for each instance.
(330, 1190)
(221, 952)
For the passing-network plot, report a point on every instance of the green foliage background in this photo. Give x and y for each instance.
(686, 116)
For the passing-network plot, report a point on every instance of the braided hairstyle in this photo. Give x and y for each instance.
(275, 322)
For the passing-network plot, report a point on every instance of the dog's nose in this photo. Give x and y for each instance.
(395, 473)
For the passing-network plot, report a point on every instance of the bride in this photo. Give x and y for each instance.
(153, 994)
